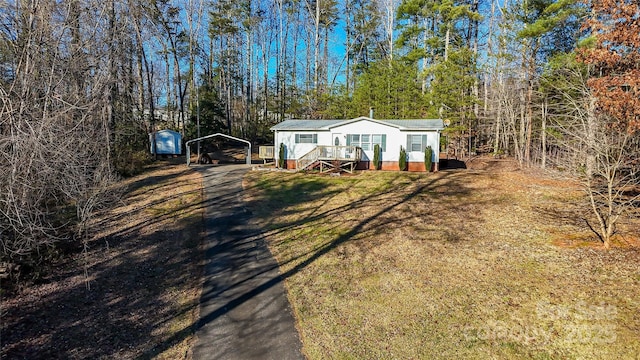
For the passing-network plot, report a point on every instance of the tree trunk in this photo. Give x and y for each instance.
(544, 134)
(169, 94)
(316, 48)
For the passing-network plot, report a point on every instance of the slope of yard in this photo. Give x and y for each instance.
(456, 264)
(140, 294)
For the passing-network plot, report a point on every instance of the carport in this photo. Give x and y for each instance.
(218, 135)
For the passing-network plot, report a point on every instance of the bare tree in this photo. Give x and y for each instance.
(598, 153)
(55, 122)
(388, 11)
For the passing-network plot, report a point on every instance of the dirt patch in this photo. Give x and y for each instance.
(134, 294)
(492, 164)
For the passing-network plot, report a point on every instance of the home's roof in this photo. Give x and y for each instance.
(306, 124)
(325, 125)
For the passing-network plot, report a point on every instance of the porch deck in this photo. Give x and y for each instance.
(327, 158)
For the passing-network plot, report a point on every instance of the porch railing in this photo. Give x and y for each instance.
(329, 153)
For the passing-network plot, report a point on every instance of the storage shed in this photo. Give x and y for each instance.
(166, 142)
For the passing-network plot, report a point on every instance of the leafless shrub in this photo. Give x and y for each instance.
(55, 119)
(599, 152)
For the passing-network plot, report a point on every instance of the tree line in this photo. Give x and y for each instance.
(553, 83)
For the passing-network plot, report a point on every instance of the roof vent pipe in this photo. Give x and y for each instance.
(370, 113)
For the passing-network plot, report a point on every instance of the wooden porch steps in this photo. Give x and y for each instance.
(329, 158)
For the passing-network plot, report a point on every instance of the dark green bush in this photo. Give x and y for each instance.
(428, 158)
(281, 154)
(376, 156)
(402, 161)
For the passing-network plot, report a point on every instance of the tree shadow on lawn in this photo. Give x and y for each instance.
(117, 311)
(279, 202)
(289, 198)
(381, 206)
(120, 315)
(282, 201)
(174, 167)
(436, 188)
(160, 217)
(116, 317)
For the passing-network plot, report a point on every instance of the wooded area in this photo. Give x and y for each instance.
(551, 83)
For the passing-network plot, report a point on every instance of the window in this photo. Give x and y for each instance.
(306, 138)
(380, 140)
(353, 140)
(367, 141)
(416, 142)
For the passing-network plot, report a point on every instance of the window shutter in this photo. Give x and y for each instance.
(384, 142)
(315, 138)
(408, 142)
(297, 138)
(348, 139)
(424, 142)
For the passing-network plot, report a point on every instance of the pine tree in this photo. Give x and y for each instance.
(392, 89)
(432, 39)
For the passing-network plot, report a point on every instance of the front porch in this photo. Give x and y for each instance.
(331, 158)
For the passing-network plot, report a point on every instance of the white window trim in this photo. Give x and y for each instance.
(424, 141)
(383, 141)
(314, 138)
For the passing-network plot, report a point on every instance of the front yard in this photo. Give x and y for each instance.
(456, 264)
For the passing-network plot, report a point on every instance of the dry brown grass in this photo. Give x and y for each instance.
(462, 264)
(140, 298)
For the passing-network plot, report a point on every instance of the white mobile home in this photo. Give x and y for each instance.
(302, 137)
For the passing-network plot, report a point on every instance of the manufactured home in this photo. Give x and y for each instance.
(350, 143)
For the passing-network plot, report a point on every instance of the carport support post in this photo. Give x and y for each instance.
(249, 155)
(198, 119)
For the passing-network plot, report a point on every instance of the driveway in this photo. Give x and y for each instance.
(244, 311)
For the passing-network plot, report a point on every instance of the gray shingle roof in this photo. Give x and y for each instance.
(306, 124)
(324, 125)
(417, 124)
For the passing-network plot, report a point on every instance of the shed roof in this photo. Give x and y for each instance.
(325, 125)
(167, 131)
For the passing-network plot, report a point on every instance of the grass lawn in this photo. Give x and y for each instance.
(456, 264)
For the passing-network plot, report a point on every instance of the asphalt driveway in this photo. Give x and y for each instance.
(244, 311)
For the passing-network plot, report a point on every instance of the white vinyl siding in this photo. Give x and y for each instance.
(393, 138)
